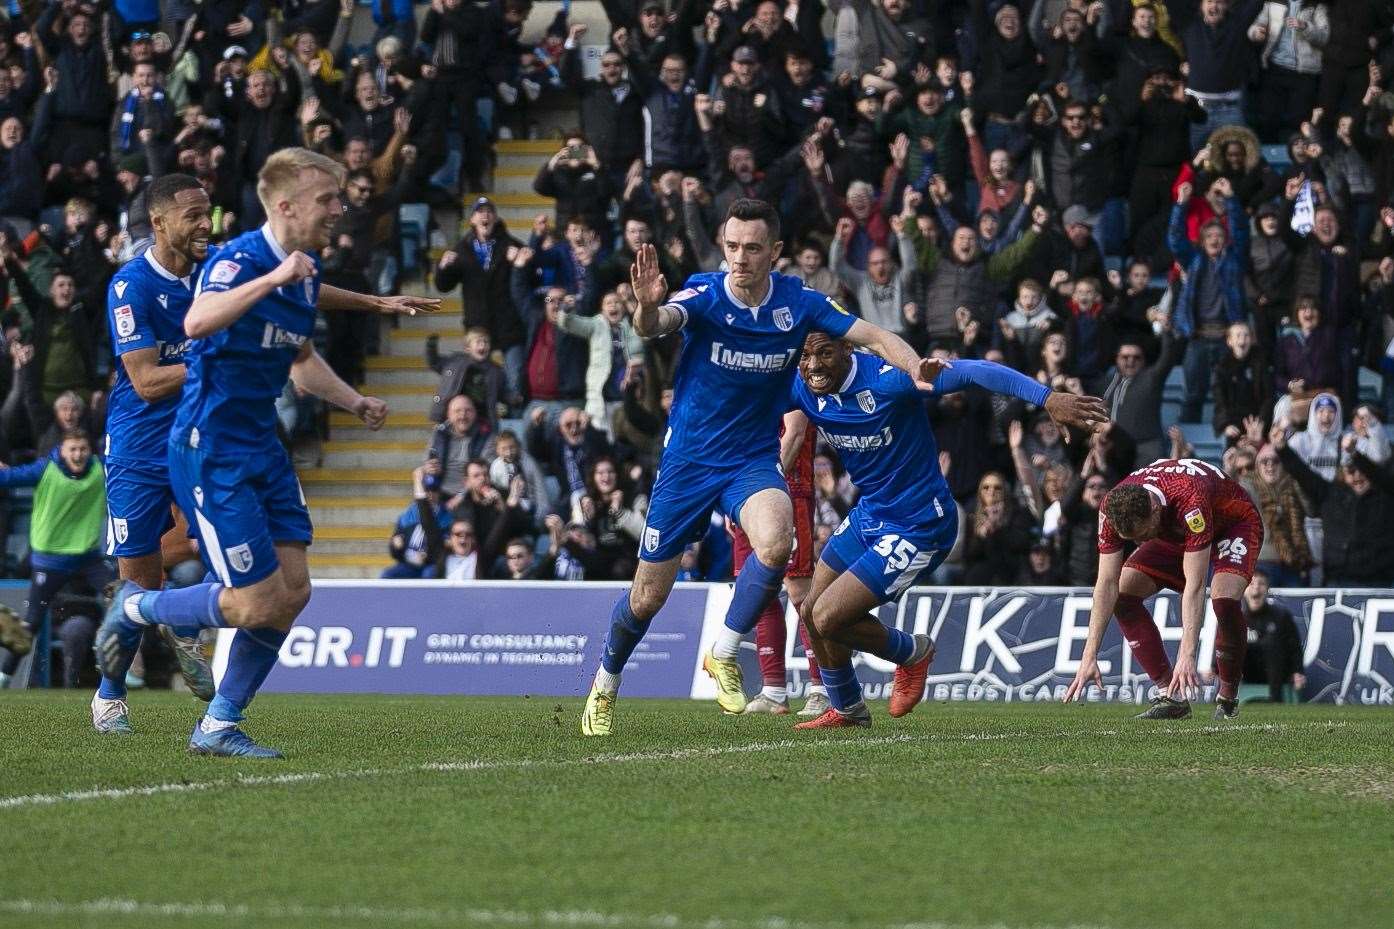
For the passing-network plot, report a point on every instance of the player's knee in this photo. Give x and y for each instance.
(776, 548)
(825, 620)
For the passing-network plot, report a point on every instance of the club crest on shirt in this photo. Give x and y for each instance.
(1195, 521)
(125, 320)
(784, 319)
(866, 401)
(240, 557)
(650, 539)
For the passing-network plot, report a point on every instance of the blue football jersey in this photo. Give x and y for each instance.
(878, 425)
(236, 375)
(146, 304)
(732, 382)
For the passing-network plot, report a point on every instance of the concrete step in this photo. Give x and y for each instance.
(515, 178)
(335, 564)
(364, 483)
(407, 342)
(400, 429)
(419, 376)
(354, 547)
(355, 511)
(404, 398)
(370, 454)
(446, 322)
(519, 210)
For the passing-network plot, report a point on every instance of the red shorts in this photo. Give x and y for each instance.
(800, 559)
(1235, 550)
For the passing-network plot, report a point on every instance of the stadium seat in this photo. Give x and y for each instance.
(1277, 156)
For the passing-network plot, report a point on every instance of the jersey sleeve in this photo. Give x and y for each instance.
(991, 376)
(692, 301)
(826, 314)
(224, 273)
(1193, 507)
(128, 315)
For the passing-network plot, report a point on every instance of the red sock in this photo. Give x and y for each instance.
(814, 675)
(769, 643)
(1143, 638)
(1231, 641)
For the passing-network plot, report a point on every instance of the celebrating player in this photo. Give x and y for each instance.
(905, 521)
(1190, 522)
(796, 459)
(252, 318)
(147, 302)
(743, 330)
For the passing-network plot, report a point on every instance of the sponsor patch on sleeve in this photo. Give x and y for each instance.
(224, 272)
(687, 294)
(838, 306)
(1195, 520)
(125, 320)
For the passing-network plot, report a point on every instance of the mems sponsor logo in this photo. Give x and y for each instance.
(273, 336)
(858, 443)
(731, 360)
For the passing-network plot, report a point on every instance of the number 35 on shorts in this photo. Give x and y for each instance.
(1231, 549)
(898, 552)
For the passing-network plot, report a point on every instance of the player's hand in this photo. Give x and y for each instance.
(1087, 413)
(927, 371)
(407, 305)
(1087, 674)
(1185, 681)
(296, 267)
(372, 411)
(647, 278)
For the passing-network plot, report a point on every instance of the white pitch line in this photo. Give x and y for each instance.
(680, 754)
(587, 919)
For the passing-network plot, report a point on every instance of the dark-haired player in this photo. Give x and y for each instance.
(743, 330)
(905, 521)
(1190, 521)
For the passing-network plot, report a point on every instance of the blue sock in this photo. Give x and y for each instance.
(250, 660)
(844, 690)
(756, 586)
(625, 632)
(900, 646)
(185, 609)
(109, 689)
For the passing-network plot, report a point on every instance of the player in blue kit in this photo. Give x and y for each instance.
(905, 521)
(743, 330)
(252, 318)
(146, 303)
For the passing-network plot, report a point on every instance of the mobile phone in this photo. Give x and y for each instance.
(575, 152)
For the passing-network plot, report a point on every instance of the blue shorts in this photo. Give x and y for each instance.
(888, 557)
(138, 498)
(685, 493)
(239, 508)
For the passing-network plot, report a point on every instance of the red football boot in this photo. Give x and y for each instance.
(907, 689)
(832, 719)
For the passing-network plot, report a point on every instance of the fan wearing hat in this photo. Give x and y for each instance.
(746, 108)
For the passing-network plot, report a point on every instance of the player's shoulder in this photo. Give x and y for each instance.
(130, 277)
(699, 288)
(880, 375)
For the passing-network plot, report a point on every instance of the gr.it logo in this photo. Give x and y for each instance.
(333, 646)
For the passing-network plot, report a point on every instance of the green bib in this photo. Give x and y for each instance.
(68, 512)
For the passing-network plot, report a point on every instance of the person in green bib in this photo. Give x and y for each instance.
(65, 530)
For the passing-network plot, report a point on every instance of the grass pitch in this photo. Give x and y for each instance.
(468, 812)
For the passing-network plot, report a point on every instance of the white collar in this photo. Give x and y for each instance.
(270, 237)
(160, 269)
(730, 295)
(1157, 493)
(851, 374)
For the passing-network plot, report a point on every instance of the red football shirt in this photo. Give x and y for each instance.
(800, 480)
(1199, 500)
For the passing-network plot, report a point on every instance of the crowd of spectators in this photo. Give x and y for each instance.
(1099, 194)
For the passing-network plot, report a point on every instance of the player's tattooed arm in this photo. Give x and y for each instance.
(214, 311)
(336, 298)
(1105, 597)
(152, 381)
(652, 319)
(896, 351)
(312, 374)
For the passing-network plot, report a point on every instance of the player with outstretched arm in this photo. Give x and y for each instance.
(1190, 521)
(251, 320)
(905, 521)
(743, 330)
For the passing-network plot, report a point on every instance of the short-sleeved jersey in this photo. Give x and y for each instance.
(145, 308)
(876, 420)
(732, 382)
(1199, 499)
(235, 375)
